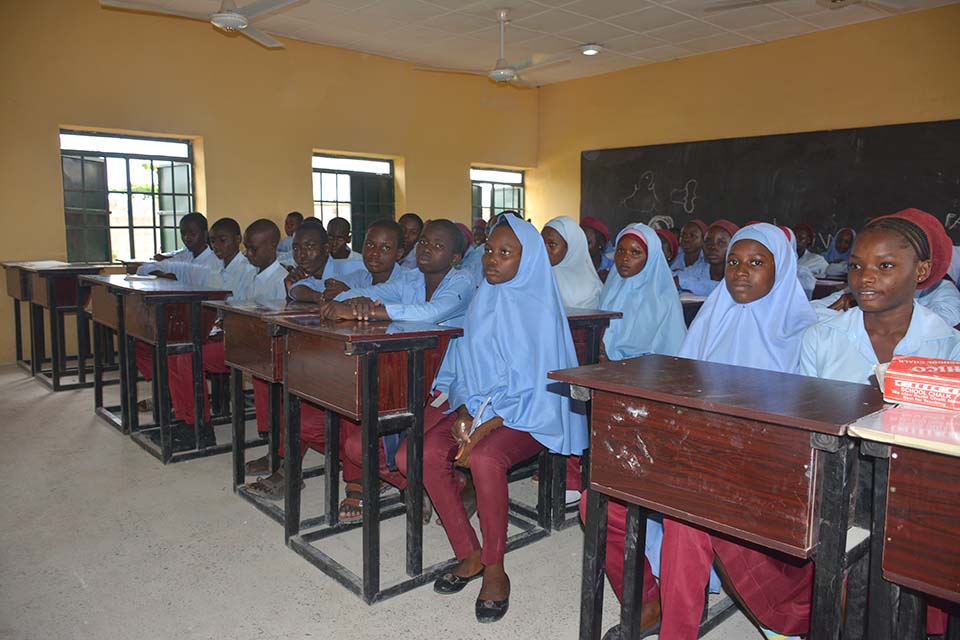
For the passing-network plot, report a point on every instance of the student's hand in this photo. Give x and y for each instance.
(336, 311)
(160, 257)
(306, 294)
(844, 302)
(333, 288)
(461, 425)
(163, 274)
(296, 275)
(363, 308)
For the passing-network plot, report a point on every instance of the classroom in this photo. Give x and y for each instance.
(421, 318)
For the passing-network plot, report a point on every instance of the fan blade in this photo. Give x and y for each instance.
(462, 72)
(260, 7)
(544, 61)
(729, 6)
(147, 8)
(262, 37)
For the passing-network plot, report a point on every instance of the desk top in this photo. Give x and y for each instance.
(802, 402)
(912, 427)
(263, 309)
(574, 314)
(55, 266)
(153, 287)
(356, 331)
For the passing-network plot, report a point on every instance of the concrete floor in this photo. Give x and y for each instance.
(100, 541)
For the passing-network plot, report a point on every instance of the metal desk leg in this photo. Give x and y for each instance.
(634, 548)
(594, 558)
(98, 339)
(826, 615)
(882, 598)
(292, 465)
(130, 387)
(57, 360)
(199, 380)
(331, 466)
(18, 330)
(239, 435)
(558, 490)
(912, 620)
(161, 400)
(414, 492)
(38, 349)
(371, 478)
(83, 344)
(274, 411)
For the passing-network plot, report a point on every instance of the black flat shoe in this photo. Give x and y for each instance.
(449, 583)
(491, 610)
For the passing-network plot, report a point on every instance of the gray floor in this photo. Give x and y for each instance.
(98, 540)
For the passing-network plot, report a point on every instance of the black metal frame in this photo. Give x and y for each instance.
(368, 586)
(58, 352)
(478, 212)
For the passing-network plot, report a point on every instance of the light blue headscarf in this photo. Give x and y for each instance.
(652, 314)
(832, 255)
(765, 333)
(514, 333)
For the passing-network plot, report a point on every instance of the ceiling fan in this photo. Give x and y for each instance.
(888, 6)
(502, 71)
(229, 18)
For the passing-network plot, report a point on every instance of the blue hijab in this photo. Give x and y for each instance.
(652, 314)
(765, 333)
(832, 255)
(514, 333)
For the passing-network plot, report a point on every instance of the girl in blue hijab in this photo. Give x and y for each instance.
(838, 253)
(641, 286)
(757, 320)
(515, 331)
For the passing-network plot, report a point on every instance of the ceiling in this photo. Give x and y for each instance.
(463, 34)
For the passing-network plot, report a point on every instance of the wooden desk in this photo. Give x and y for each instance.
(52, 285)
(166, 314)
(721, 447)
(19, 284)
(372, 372)
(915, 537)
(105, 308)
(828, 286)
(253, 345)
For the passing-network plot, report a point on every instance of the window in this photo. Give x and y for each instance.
(358, 189)
(496, 190)
(124, 196)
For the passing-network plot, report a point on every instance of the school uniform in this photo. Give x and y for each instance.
(837, 260)
(472, 262)
(954, 269)
(404, 298)
(409, 261)
(207, 258)
(764, 334)
(679, 263)
(808, 282)
(339, 267)
(576, 278)
(506, 373)
(285, 245)
(816, 263)
(696, 279)
(355, 279)
(942, 298)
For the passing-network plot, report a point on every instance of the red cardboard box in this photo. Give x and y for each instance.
(924, 382)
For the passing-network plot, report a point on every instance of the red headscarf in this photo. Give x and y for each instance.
(467, 232)
(941, 248)
(671, 239)
(726, 225)
(701, 224)
(592, 223)
(634, 233)
(787, 231)
(803, 226)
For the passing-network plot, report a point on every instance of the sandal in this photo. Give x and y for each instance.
(272, 487)
(351, 507)
(257, 467)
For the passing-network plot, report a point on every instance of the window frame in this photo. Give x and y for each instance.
(391, 176)
(486, 212)
(154, 193)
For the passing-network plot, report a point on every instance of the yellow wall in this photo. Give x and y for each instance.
(896, 70)
(260, 114)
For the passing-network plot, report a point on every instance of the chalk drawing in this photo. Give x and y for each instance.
(686, 196)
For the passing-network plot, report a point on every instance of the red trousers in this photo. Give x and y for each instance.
(574, 479)
(143, 355)
(313, 428)
(490, 460)
(616, 535)
(777, 591)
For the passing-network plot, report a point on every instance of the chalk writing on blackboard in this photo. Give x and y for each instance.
(644, 196)
(661, 222)
(686, 197)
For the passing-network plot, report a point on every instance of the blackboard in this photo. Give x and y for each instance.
(830, 179)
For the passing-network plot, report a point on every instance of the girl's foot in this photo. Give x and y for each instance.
(494, 598)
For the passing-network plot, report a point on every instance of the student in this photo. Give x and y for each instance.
(598, 235)
(807, 280)
(195, 250)
(515, 331)
(571, 264)
(669, 243)
(260, 242)
(839, 251)
(233, 272)
(343, 259)
(692, 235)
(381, 249)
(472, 257)
(757, 319)
(436, 293)
(479, 232)
(816, 263)
(701, 278)
(290, 225)
(412, 228)
(641, 287)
